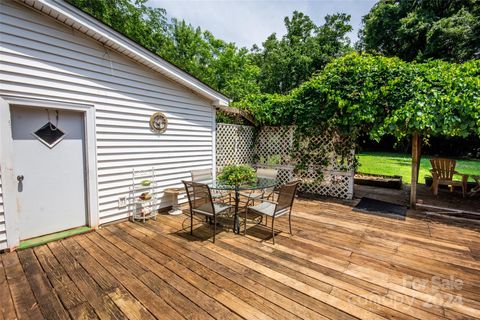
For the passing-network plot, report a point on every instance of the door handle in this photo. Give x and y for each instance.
(20, 178)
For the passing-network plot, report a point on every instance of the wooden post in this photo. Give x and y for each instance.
(415, 167)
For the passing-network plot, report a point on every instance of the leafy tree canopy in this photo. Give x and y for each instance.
(423, 29)
(306, 48)
(379, 95)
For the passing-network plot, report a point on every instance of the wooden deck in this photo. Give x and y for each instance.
(338, 264)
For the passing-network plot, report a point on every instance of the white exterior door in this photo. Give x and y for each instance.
(49, 163)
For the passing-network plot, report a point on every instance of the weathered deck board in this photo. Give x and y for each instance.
(339, 264)
(44, 294)
(7, 309)
(23, 299)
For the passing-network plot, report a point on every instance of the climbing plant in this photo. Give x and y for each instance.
(374, 95)
(379, 95)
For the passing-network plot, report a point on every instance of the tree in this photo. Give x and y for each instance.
(145, 25)
(379, 95)
(306, 48)
(423, 29)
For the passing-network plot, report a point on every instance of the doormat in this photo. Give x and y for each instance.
(382, 208)
(38, 241)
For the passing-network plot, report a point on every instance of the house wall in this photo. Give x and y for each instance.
(43, 59)
(3, 235)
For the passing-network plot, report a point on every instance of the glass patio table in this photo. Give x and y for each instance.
(261, 183)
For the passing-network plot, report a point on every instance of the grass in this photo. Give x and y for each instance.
(397, 164)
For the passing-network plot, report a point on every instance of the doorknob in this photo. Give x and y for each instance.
(20, 178)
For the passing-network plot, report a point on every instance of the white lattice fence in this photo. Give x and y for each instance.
(327, 160)
(326, 183)
(234, 144)
(274, 141)
(285, 173)
(329, 165)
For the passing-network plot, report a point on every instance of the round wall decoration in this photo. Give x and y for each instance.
(158, 122)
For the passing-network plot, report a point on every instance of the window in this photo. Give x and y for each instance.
(49, 134)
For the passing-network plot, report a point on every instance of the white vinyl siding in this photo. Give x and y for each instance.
(3, 235)
(42, 58)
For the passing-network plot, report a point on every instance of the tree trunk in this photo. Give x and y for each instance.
(416, 143)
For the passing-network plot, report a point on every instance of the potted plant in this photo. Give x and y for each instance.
(237, 175)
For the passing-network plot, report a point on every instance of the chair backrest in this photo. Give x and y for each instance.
(267, 174)
(202, 175)
(286, 195)
(444, 168)
(198, 195)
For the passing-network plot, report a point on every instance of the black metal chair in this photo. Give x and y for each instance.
(200, 201)
(205, 176)
(275, 209)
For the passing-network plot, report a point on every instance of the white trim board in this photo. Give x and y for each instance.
(6, 161)
(84, 23)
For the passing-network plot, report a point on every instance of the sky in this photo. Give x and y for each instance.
(248, 22)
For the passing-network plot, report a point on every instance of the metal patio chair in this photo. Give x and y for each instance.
(205, 176)
(275, 209)
(200, 202)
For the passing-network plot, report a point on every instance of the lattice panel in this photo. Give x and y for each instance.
(275, 141)
(326, 183)
(234, 144)
(329, 157)
(335, 153)
(245, 145)
(285, 173)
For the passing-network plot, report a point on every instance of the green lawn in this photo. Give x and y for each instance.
(397, 164)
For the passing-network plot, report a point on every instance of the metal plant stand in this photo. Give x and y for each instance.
(143, 199)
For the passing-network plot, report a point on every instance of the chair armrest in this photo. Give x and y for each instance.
(461, 174)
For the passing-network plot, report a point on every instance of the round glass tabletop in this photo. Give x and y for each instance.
(261, 183)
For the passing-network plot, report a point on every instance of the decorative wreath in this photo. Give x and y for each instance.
(158, 122)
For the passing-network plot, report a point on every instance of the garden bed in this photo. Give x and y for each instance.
(377, 180)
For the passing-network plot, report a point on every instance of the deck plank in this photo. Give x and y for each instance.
(339, 264)
(48, 300)
(349, 284)
(302, 305)
(246, 301)
(104, 307)
(157, 266)
(7, 308)
(72, 299)
(157, 306)
(167, 292)
(130, 306)
(25, 303)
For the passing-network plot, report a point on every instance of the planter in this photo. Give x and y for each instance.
(377, 180)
